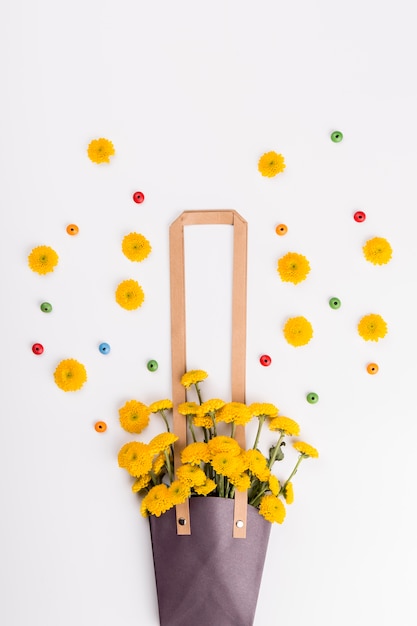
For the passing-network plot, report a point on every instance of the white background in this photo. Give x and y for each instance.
(192, 94)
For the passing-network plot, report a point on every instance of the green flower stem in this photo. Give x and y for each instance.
(154, 478)
(221, 486)
(191, 427)
(256, 499)
(276, 449)
(232, 434)
(169, 466)
(197, 388)
(300, 458)
(261, 419)
(165, 419)
(213, 416)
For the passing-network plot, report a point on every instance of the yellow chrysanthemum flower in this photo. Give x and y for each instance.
(377, 251)
(257, 464)
(293, 267)
(221, 443)
(263, 408)
(157, 501)
(298, 331)
(191, 475)
(160, 405)
(134, 416)
(226, 464)
(305, 449)
(208, 487)
(162, 442)
(136, 247)
(178, 492)
(141, 483)
(158, 463)
(210, 406)
(272, 509)
(192, 377)
(270, 164)
(234, 412)
(187, 408)
(240, 481)
(129, 294)
(203, 421)
(372, 327)
(289, 493)
(70, 375)
(42, 259)
(285, 425)
(100, 150)
(136, 458)
(195, 453)
(273, 484)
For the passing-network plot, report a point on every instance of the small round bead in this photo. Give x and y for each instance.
(336, 136)
(281, 229)
(265, 360)
(46, 307)
(100, 427)
(138, 197)
(104, 348)
(152, 366)
(359, 216)
(372, 368)
(37, 348)
(72, 229)
(335, 303)
(312, 398)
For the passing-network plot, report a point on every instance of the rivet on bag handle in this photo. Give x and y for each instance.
(178, 341)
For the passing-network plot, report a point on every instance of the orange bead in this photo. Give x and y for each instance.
(100, 427)
(72, 229)
(281, 229)
(372, 368)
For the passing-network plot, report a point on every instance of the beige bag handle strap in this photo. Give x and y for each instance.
(178, 340)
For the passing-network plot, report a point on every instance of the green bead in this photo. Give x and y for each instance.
(46, 307)
(312, 398)
(336, 136)
(152, 366)
(335, 303)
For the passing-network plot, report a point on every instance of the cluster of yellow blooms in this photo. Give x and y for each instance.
(213, 464)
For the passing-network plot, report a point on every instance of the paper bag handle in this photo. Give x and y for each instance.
(178, 341)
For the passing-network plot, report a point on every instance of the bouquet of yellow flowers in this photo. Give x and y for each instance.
(213, 464)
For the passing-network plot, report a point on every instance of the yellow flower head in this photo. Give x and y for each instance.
(195, 453)
(272, 509)
(100, 150)
(188, 408)
(203, 421)
(289, 493)
(136, 458)
(136, 247)
(263, 408)
(372, 327)
(270, 164)
(226, 464)
(134, 416)
(242, 482)
(178, 492)
(70, 375)
(257, 464)
(42, 259)
(157, 501)
(293, 267)
(191, 475)
(298, 331)
(158, 463)
(162, 442)
(208, 487)
(285, 425)
(234, 412)
(274, 485)
(193, 377)
(377, 251)
(221, 443)
(210, 406)
(160, 405)
(129, 294)
(141, 483)
(305, 449)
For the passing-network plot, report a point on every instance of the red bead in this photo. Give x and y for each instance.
(37, 348)
(265, 360)
(359, 216)
(138, 197)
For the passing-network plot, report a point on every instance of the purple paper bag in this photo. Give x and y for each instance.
(208, 578)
